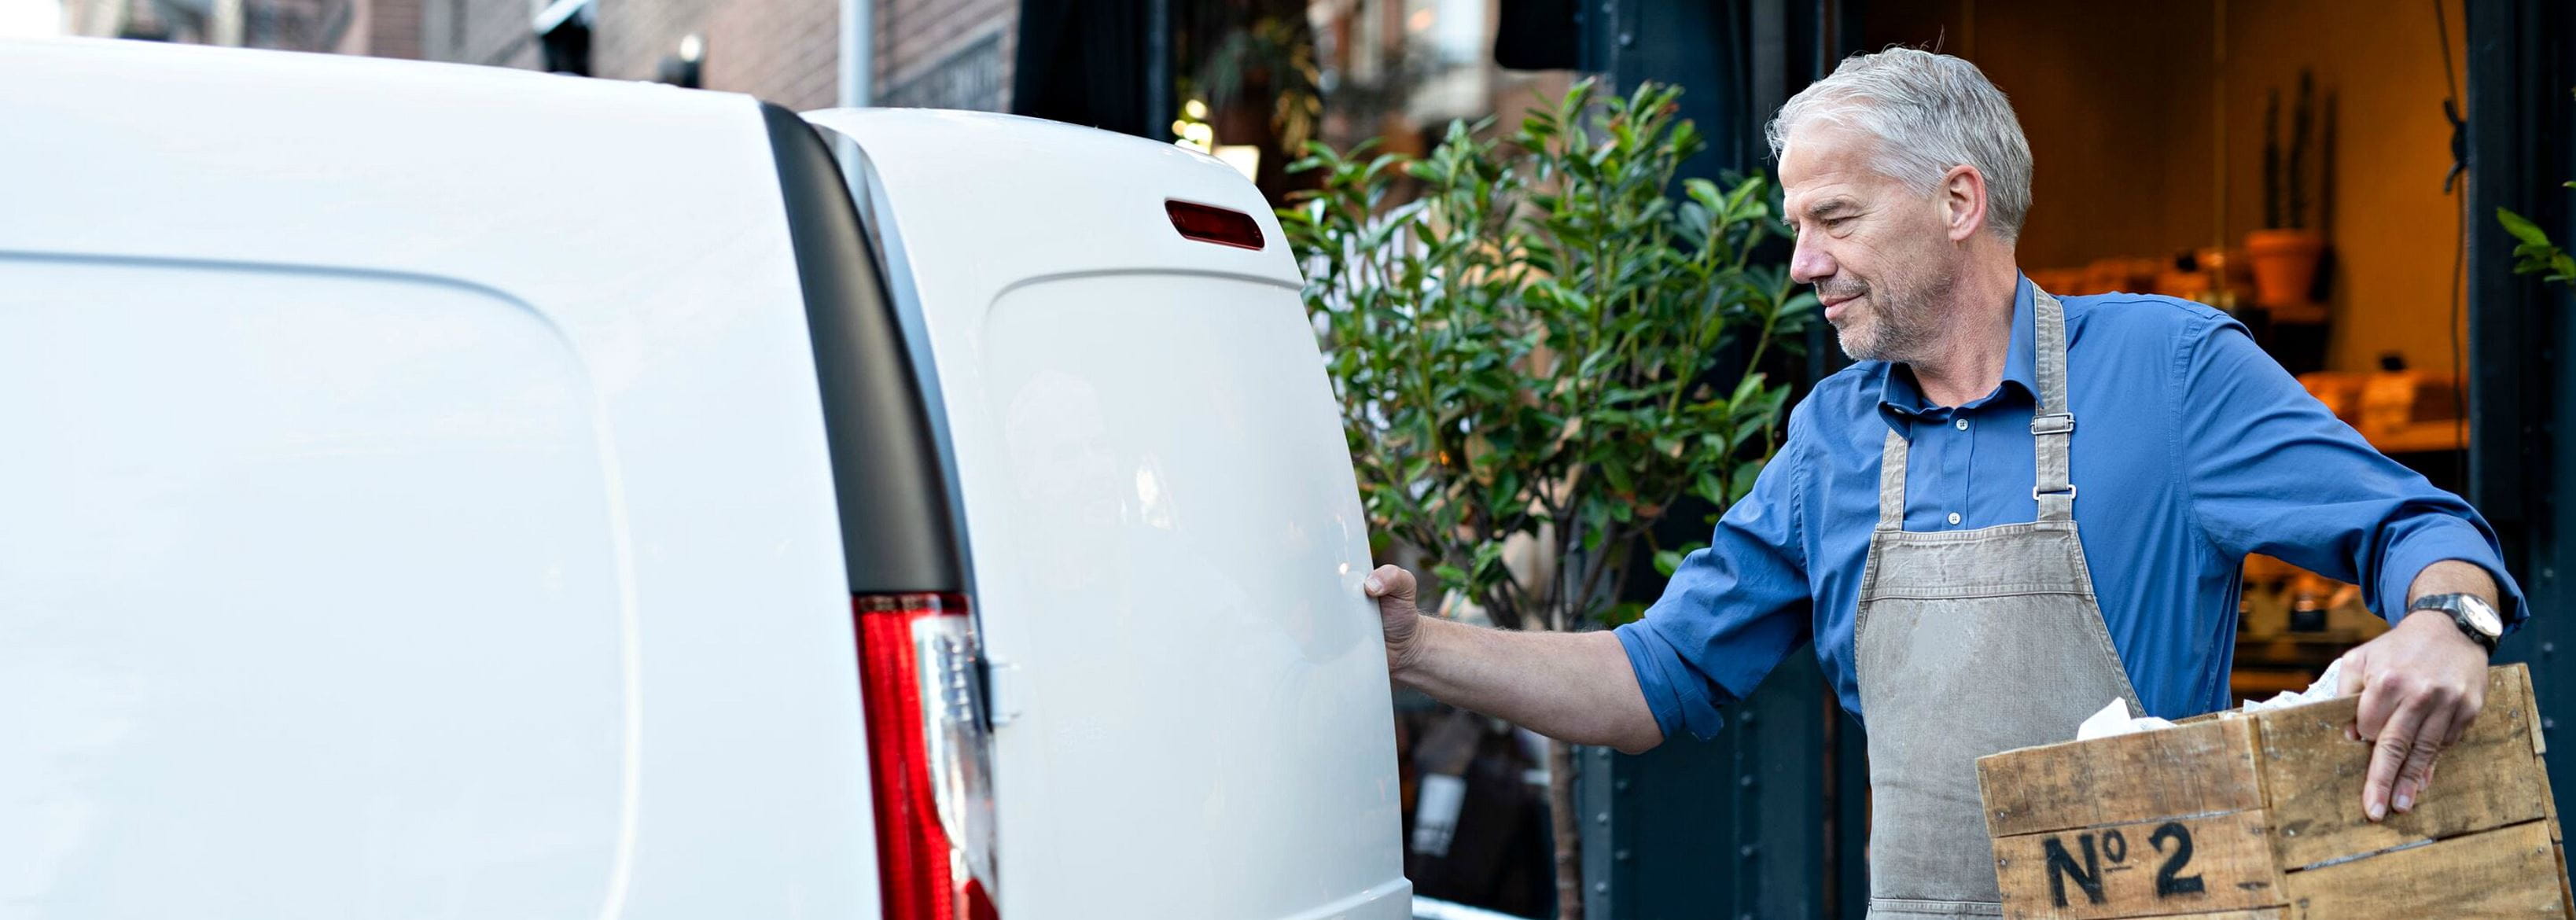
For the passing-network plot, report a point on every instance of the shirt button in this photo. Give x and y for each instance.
(1954, 516)
(1963, 426)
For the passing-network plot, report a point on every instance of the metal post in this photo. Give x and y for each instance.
(1159, 107)
(858, 53)
(2521, 143)
(1595, 780)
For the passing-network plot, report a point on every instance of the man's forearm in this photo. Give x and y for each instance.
(2452, 576)
(1575, 687)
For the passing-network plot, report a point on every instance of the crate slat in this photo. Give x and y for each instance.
(2315, 775)
(2166, 866)
(2496, 875)
(2084, 784)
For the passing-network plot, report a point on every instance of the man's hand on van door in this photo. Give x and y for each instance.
(2421, 684)
(1392, 586)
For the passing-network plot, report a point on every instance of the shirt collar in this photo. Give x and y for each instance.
(1899, 398)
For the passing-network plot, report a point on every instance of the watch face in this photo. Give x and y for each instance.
(2481, 616)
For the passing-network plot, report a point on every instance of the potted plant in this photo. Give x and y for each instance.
(2285, 252)
(1546, 347)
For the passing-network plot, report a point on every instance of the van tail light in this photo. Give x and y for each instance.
(930, 754)
(1222, 226)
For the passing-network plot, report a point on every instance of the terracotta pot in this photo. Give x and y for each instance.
(2285, 264)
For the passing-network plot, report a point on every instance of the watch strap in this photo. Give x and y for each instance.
(2454, 605)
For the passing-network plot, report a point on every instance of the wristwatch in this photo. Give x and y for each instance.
(2470, 612)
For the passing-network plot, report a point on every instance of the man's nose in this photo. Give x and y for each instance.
(1808, 263)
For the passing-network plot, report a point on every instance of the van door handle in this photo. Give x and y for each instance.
(1003, 693)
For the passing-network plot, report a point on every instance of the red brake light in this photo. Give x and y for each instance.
(929, 756)
(1214, 225)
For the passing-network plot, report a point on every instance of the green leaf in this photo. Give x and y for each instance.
(1709, 488)
(1670, 560)
(1617, 474)
(2522, 228)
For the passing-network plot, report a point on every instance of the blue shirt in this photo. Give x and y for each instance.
(2192, 448)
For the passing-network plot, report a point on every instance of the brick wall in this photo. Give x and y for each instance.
(629, 38)
(496, 33)
(784, 51)
(93, 18)
(941, 52)
(392, 27)
(381, 28)
(293, 25)
(950, 53)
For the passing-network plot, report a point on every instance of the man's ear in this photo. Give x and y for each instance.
(1963, 202)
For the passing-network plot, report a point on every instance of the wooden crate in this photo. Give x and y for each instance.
(2258, 817)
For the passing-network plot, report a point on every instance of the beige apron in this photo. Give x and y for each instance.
(1970, 643)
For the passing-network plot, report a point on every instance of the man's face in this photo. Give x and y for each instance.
(1878, 253)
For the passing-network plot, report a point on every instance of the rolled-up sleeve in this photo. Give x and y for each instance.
(1732, 611)
(2269, 470)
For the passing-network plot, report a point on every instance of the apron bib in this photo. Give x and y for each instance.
(1971, 643)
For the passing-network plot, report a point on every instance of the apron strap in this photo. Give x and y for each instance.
(2051, 425)
(2052, 428)
(1891, 482)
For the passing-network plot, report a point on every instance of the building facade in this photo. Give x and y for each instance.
(803, 54)
(381, 28)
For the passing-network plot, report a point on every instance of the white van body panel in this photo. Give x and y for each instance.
(417, 503)
(1166, 538)
(416, 500)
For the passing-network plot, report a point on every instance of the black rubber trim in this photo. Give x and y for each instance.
(897, 532)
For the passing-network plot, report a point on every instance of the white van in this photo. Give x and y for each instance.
(436, 491)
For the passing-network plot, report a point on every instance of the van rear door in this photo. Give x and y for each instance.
(414, 500)
(1164, 536)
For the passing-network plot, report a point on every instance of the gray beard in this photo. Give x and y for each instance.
(1907, 324)
(1899, 335)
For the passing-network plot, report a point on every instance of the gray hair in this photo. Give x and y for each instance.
(1930, 112)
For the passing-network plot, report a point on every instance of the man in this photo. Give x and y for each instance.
(1921, 523)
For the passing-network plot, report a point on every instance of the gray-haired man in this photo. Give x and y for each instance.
(1920, 524)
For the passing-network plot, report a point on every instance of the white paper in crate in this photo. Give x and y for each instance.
(2321, 691)
(2115, 719)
